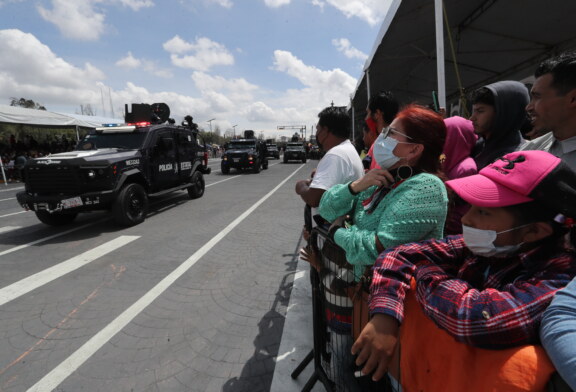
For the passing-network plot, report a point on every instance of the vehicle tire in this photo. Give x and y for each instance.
(285, 160)
(197, 189)
(131, 206)
(265, 164)
(304, 160)
(55, 219)
(256, 168)
(225, 169)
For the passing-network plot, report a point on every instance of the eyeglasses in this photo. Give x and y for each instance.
(386, 131)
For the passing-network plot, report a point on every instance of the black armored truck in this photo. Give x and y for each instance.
(248, 153)
(118, 167)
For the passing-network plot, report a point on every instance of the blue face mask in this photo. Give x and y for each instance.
(383, 151)
(481, 242)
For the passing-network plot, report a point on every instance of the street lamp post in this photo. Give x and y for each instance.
(234, 127)
(210, 122)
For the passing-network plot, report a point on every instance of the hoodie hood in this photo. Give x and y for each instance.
(460, 140)
(510, 100)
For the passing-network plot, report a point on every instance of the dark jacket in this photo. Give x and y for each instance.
(510, 100)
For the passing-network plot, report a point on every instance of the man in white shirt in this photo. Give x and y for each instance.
(340, 165)
(553, 107)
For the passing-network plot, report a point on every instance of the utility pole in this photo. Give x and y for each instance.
(234, 127)
(210, 122)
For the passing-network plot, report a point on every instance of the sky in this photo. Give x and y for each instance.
(252, 64)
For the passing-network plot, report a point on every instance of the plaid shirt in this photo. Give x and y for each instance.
(485, 302)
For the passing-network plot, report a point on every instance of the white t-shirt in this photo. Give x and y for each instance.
(340, 165)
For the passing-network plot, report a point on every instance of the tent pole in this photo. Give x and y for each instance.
(77, 134)
(440, 53)
(3, 172)
(368, 92)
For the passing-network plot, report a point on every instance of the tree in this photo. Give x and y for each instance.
(26, 103)
(87, 110)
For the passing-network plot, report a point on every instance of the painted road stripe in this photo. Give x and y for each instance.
(41, 278)
(6, 229)
(74, 361)
(16, 248)
(12, 198)
(12, 189)
(14, 213)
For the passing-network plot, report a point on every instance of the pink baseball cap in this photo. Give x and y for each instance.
(516, 178)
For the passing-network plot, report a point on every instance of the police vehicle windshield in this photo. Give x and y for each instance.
(241, 145)
(123, 140)
(294, 146)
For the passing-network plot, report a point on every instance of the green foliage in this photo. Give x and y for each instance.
(26, 103)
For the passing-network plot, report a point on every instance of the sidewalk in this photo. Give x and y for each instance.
(296, 337)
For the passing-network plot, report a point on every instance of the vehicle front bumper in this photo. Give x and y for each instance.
(66, 203)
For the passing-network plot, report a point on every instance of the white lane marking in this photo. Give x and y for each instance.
(12, 189)
(12, 198)
(218, 182)
(6, 229)
(24, 286)
(50, 381)
(14, 213)
(50, 237)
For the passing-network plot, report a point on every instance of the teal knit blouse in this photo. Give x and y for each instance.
(413, 211)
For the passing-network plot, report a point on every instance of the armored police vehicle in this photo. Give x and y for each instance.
(295, 151)
(248, 153)
(118, 168)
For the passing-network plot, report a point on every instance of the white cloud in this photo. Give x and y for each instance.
(137, 4)
(371, 11)
(343, 45)
(30, 69)
(75, 19)
(205, 53)
(223, 3)
(276, 3)
(131, 62)
(81, 19)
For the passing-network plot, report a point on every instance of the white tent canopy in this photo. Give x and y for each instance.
(18, 115)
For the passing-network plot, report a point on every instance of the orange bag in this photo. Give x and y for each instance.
(432, 361)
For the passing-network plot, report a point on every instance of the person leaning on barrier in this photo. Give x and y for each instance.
(487, 288)
(404, 201)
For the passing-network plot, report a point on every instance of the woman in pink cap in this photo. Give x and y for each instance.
(488, 287)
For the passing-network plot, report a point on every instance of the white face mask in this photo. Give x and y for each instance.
(481, 242)
(383, 147)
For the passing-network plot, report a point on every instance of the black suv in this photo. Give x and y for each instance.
(118, 167)
(272, 151)
(295, 151)
(244, 154)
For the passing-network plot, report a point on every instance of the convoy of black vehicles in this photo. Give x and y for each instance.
(248, 153)
(272, 151)
(295, 151)
(118, 168)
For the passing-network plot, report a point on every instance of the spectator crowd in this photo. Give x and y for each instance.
(464, 229)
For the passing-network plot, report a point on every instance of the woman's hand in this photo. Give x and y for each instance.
(376, 344)
(376, 177)
(307, 254)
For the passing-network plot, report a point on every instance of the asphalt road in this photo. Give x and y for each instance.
(193, 299)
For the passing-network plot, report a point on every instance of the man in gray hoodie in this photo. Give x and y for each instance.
(498, 112)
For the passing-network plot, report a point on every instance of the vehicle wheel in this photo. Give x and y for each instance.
(225, 169)
(304, 160)
(196, 190)
(265, 164)
(256, 168)
(285, 160)
(131, 206)
(55, 219)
